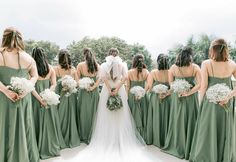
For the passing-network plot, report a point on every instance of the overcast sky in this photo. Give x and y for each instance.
(157, 24)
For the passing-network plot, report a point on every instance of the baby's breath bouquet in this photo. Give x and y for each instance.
(114, 103)
(69, 85)
(50, 97)
(180, 86)
(160, 89)
(86, 83)
(138, 92)
(21, 85)
(218, 93)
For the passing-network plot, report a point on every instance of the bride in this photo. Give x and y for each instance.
(114, 137)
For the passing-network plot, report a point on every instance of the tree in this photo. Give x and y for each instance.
(51, 49)
(101, 47)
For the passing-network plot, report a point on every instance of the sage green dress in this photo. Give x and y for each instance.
(87, 108)
(67, 114)
(47, 124)
(17, 132)
(183, 116)
(214, 137)
(158, 118)
(139, 108)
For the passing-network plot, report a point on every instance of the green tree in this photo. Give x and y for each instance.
(51, 49)
(101, 47)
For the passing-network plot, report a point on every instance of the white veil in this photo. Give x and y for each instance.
(114, 137)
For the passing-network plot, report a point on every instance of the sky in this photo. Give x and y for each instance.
(157, 24)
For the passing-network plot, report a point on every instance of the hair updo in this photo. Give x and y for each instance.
(64, 59)
(113, 51)
(41, 61)
(184, 58)
(138, 63)
(162, 62)
(12, 38)
(219, 50)
(90, 60)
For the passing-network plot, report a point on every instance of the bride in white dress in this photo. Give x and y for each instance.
(114, 137)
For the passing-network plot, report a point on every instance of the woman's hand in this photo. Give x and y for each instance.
(115, 92)
(224, 102)
(184, 94)
(43, 103)
(11, 95)
(91, 88)
(163, 95)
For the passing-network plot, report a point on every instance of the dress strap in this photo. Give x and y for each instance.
(18, 59)
(212, 68)
(193, 71)
(4, 62)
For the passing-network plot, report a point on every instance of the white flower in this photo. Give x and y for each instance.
(69, 85)
(180, 86)
(50, 97)
(138, 91)
(85, 83)
(21, 85)
(160, 89)
(217, 92)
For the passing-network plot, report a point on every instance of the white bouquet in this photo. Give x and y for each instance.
(85, 83)
(50, 97)
(138, 92)
(218, 93)
(69, 85)
(160, 89)
(180, 86)
(21, 85)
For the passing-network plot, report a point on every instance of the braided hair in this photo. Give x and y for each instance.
(138, 63)
(163, 62)
(64, 59)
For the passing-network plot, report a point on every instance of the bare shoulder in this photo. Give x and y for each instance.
(196, 67)
(206, 62)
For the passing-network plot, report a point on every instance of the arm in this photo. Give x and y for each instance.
(33, 72)
(198, 82)
(146, 85)
(78, 71)
(150, 81)
(123, 79)
(10, 94)
(39, 98)
(53, 79)
(204, 81)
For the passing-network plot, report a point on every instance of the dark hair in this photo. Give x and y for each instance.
(12, 38)
(90, 60)
(184, 58)
(138, 62)
(41, 61)
(64, 59)
(162, 62)
(113, 51)
(219, 50)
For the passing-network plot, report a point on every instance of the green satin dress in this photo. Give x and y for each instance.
(47, 125)
(139, 109)
(214, 137)
(158, 118)
(87, 108)
(17, 132)
(67, 114)
(183, 116)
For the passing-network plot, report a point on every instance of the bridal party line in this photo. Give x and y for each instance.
(46, 108)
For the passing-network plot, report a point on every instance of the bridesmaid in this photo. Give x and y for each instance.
(137, 76)
(17, 133)
(159, 105)
(184, 109)
(46, 121)
(68, 105)
(87, 99)
(215, 130)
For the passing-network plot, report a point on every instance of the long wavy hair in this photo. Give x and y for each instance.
(185, 57)
(163, 62)
(219, 50)
(41, 61)
(90, 61)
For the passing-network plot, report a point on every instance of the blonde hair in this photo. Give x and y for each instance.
(12, 38)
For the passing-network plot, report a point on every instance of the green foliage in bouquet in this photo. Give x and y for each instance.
(114, 102)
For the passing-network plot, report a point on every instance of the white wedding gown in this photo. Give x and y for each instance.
(114, 137)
